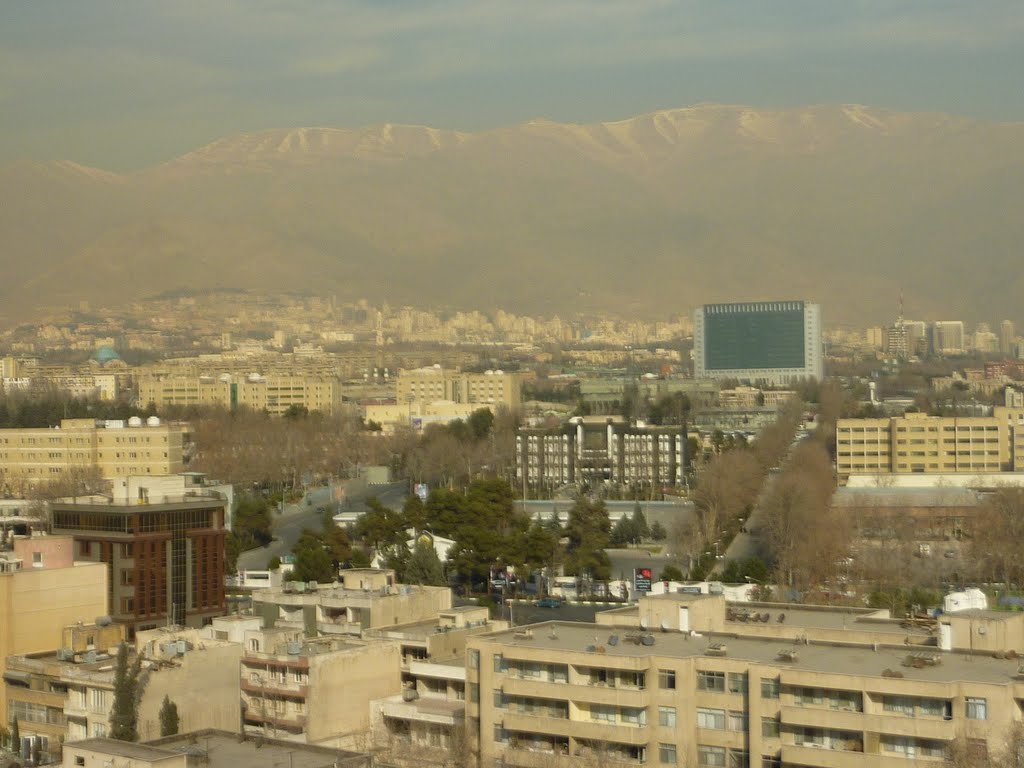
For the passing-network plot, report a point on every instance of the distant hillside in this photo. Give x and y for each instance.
(651, 215)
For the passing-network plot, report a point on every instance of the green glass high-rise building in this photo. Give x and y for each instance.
(771, 342)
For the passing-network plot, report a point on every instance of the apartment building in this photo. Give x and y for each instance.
(314, 690)
(117, 448)
(366, 598)
(42, 590)
(164, 554)
(601, 451)
(68, 694)
(274, 394)
(712, 690)
(491, 388)
(916, 442)
(429, 713)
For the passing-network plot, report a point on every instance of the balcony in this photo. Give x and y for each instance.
(275, 687)
(599, 693)
(293, 723)
(437, 711)
(922, 727)
(822, 717)
(822, 757)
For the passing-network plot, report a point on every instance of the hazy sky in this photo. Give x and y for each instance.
(123, 85)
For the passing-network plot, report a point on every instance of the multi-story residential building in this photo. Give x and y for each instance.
(287, 680)
(274, 394)
(774, 342)
(115, 448)
(429, 714)
(164, 554)
(718, 687)
(916, 442)
(42, 590)
(606, 395)
(69, 694)
(491, 388)
(598, 451)
(367, 598)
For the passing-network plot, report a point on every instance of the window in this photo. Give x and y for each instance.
(474, 693)
(667, 754)
(602, 712)
(37, 558)
(711, 718)
(771, 761)
(99, 700)
(738, 721)
(634, 715)
(977, 709)
(667, 717)
(710, 681)
(667, 678)
(769, 688)
(737, 682)
(769, 728)
(499, 663)
(902, 704)
(474, 658)
(809, 696)
(712, 757)
(79, 760)
(738, 758)
(99, 730)
(499, 700)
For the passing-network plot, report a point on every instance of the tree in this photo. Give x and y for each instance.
(312, 560)
(481, 422)
(671, 573)
(424, 566)
(168, 718)
(588, 531)
(124, 715)
(251, 522)
(658, 532)
(15, 735)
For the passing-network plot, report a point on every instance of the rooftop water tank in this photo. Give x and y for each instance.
(134, 421)
(153, 421)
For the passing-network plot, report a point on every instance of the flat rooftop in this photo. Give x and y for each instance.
(817, 658)
(823, 618)
(125, 749)
(224, 750)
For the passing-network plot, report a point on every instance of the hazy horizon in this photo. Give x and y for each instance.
(126, 87)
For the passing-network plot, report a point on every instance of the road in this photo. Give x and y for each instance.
(525, 612)
(288, 525)
(624, 561)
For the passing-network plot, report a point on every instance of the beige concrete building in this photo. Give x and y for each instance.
(314, 690)
(68, 694)
(429, 714)
(207, 748)
(116, 448)
(274, 394)
(916, 442)
(367, 598)
(43, 590)
(491, 388)
(837, 690)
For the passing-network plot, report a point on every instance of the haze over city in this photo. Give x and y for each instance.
(465, 384)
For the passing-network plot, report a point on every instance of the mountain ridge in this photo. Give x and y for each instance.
(657, 212)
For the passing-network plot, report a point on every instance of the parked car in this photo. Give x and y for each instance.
(547, 602)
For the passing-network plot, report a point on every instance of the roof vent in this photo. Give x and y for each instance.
(786, 655)
(716, 649)
(647, 640)
(613, 640)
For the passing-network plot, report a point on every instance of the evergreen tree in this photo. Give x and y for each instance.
(15, 735)
(124, 718)
(168, 718)
(424, 566)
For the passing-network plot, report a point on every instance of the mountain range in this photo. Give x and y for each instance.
(846, 205)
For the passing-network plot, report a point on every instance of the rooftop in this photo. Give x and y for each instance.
(816, 658)
(125, 749)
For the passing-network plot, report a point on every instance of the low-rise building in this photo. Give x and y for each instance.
(274, 394)
(366, 598)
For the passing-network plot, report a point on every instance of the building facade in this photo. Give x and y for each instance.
(164, 555)
(601, 451)
(114, 448)
(716, 691)
(772, 342)
(274, 394)
(916, 442)
(491, 388)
